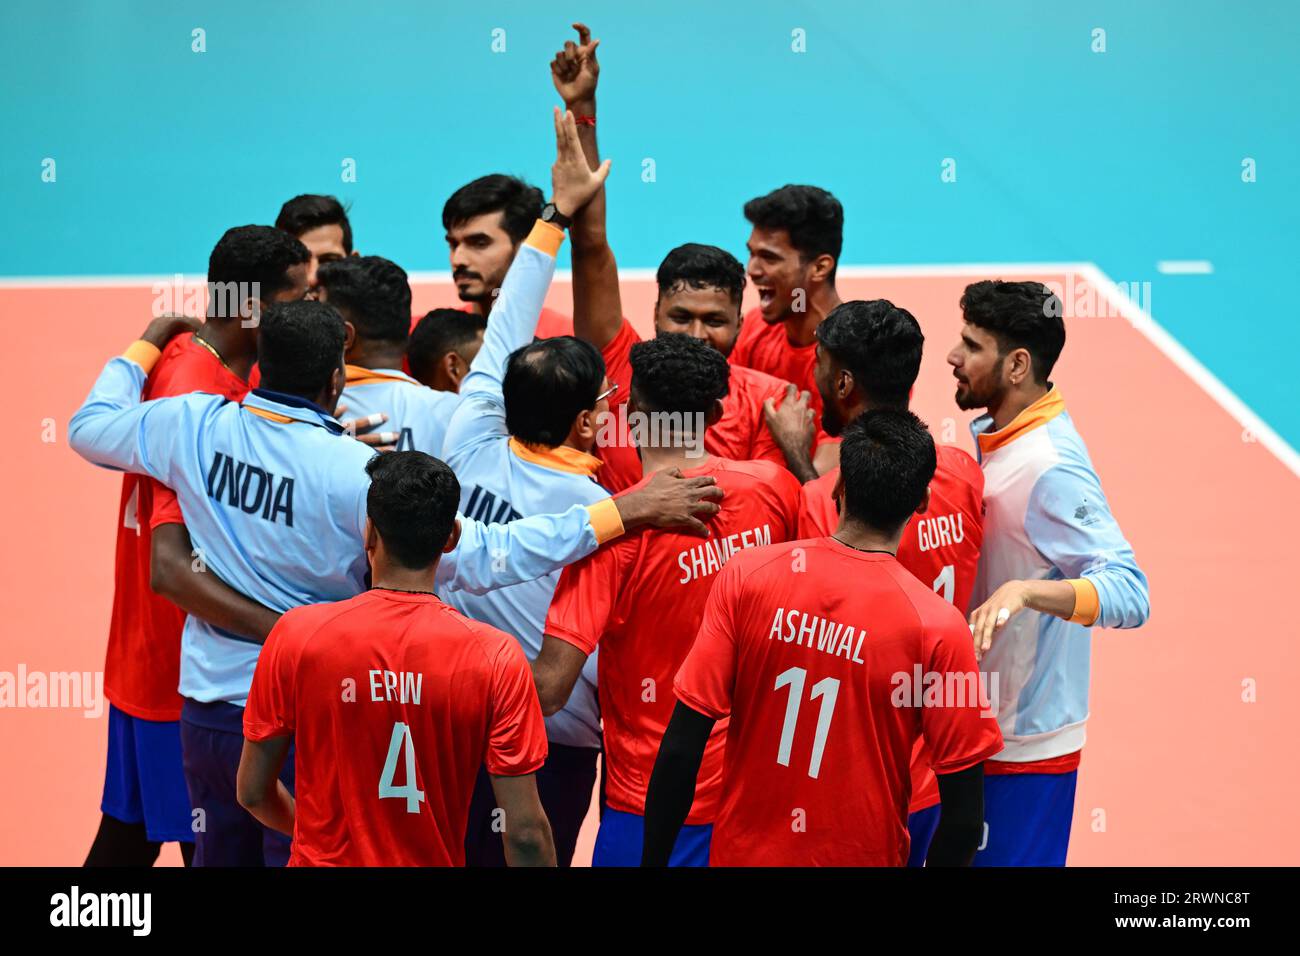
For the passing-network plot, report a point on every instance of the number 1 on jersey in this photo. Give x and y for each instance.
(946, 582)
(401, 742)
(828, 690)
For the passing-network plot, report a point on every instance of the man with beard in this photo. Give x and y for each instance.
(1054, 564)
(486, 221)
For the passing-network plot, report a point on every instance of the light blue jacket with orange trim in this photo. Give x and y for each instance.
(502, 479)
(274, 495)
(416, 413)
(1047, 518)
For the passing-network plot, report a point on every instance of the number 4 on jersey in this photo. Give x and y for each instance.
(401, 742)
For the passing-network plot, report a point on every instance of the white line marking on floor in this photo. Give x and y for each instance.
(1185, 267)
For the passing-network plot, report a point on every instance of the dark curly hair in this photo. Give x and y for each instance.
(373, 294)
(697, 266)
(259, 256)
(519, 204)
(1020, 315)
(887, 459)
(677, 373)
(299, 346)
(412, 503)
(439, 332)
(880, 345)
(307, 212)
(813, 218)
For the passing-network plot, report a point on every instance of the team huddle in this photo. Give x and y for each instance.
(407, 591)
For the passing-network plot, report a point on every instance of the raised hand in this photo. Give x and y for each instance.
(575, 70)
(573, 182)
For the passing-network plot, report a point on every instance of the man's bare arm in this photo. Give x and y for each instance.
(258, 786)
(527, 836)
(172, 574)
(597, 304)
(555, 671)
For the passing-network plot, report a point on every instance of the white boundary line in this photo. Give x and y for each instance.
(1138, 317)
(1191, 366)
(635, 275)
(1185, 267)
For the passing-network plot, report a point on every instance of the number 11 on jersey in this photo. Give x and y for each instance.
(828, 690)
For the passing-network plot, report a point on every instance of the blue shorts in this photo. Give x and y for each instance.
(621, 836)
(921, 825)
(212, 739)
(144, 781)
(1027, 819)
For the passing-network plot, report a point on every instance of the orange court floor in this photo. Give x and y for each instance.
(1187, 760)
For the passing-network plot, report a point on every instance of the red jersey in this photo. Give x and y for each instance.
(940, 547)
(766, 348)
(551, 324)
(394, 701)
(741, 434)
(619, 597)
(808, 646)
(142, 665)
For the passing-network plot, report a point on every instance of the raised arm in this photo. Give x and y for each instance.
(597, 305)
(519, 303)
(515, 312)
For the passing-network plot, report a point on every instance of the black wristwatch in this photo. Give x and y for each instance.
(555, 217)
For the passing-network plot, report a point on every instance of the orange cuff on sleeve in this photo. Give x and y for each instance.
(143, 354)
(605, 520)
(546, 238)
(1087, 605)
